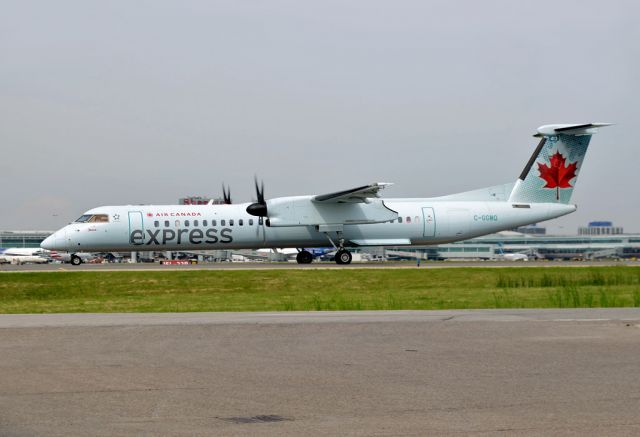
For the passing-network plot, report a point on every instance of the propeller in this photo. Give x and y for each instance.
(226, 194)
(259, 208)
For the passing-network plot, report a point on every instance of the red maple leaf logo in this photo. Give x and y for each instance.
(557, 175)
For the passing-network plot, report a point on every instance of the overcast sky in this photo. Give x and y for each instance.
(118, 102)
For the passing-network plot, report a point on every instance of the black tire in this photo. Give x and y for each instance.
(343, 256)
(75, 260)
(304, 257)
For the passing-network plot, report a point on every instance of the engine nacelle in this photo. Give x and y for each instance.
(303, 211)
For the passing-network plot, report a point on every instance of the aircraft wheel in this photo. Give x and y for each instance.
(304, 257)
(343, 256)
(76, 260)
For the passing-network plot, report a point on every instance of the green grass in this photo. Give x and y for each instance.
(316, 290)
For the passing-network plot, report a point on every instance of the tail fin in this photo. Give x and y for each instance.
(552, 171)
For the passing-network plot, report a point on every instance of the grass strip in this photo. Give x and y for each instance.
(320, 290)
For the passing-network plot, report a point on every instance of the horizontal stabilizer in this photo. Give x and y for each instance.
(569, 129)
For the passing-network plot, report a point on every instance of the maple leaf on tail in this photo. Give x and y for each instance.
(557, 175)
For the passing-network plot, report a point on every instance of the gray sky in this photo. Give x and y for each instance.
(121, 102)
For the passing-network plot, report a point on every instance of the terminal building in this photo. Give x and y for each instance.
(23, 239)
(600, 228)
(491, 247)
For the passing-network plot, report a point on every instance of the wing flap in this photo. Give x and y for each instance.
(353, 195)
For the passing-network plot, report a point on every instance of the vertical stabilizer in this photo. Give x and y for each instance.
(552, 171)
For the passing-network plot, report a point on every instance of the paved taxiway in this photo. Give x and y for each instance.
(284, 265)
(511, 372)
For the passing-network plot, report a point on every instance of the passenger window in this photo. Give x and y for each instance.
(204, 223)
(195, 223)
(416, 219)
(186, 223)
(213, 223)
(177, 223)
(156, 223)
(250, 222)
(408, 219)
(399, 219)
(222, 222)
(231, 222)
(166, 223)
(240, 222)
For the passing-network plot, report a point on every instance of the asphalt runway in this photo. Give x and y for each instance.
(409, 373)
(290, 265)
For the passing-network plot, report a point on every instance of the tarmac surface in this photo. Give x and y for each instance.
(416, 373)
(55, 267)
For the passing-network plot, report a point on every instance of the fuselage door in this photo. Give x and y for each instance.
(136, 228)
(260, 231)
(429, 220)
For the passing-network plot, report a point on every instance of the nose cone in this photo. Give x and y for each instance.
(55, 241)
(49, 243)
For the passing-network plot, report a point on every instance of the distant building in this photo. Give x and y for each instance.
(535, 246)
(600, 228)
(532, 229)
(23, 239)
(199, 200)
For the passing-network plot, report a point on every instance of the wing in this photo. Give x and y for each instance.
(354, 195)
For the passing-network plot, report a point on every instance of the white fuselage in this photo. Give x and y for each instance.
(210, 227)
(514, 257)
(23, 259)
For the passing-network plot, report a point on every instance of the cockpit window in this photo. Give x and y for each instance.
(99, 218)
(93, 218)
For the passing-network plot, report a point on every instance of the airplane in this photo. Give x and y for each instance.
(292, 253)
(351, 218)
(22, 251)
(16, 255)
(516, 256)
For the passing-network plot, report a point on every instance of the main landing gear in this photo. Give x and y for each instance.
(343, 256)
(304, 257)
(75, 260)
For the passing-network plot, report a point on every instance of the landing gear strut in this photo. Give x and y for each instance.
(343, 256)
(304, 257)
(75, 260)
